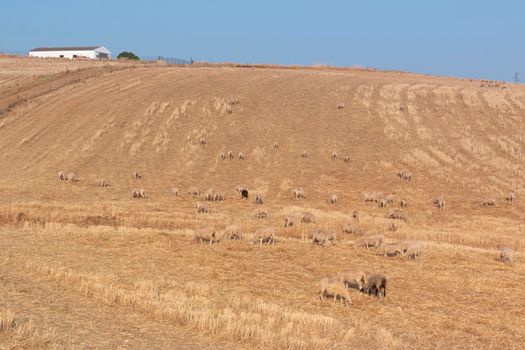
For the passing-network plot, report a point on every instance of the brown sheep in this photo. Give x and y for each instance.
(201, 207)
(323, 237)
(307, 217)
(259, 199)
(376, 285)
(206, 234)
(304, 154)
(259, 214)
(61, 176)
(352, 278)
(397, 215)
(506, 255)
(264, 235)
(355, 215)
(333, 199)
(332, 287)
(489, 202)
(298, 193)
(288, 221)
(511, 197)
(232, 232)
(370, 241)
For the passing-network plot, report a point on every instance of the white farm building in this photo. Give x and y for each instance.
(93, 52)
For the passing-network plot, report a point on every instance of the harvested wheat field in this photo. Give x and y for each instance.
(105, 255)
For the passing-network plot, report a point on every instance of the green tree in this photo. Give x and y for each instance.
(129, 55)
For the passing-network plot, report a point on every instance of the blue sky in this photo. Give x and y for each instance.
(479, 39)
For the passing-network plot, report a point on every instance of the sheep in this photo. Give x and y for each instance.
(352, 278)
(489, 202)
(244, 194)
(233, 232)
(222, 156)
(382, 203)
(334, 155)
(209, 194)
(355, 215)
(275, 145)
(100, 183)
(369, 241)
(61, 176)
(413, 251)
(71, 177)
(333, 199)
(506, 255)
(264, 235)
(136, 175)
(439, 202)
(376, 285)
(230, 154)
(228, 109)
(239, 188)
(241, 156)
(404, 175)
(511, 197)
(201, 207)
(304, 154)
(138, 193)
(390, 198)
(397, 215)
(206, 234)
(351, 228)
(372, 196)
(403, 203)
(175, 192)
(217, 197)
(203, 140)
(393, 226)
(232, 101)
(298, 193)
(288, 221)
(340, 106)
(193, 191)
(347, 159)
(334, 288)
(259, 214)
(392, 249)
(307, 217)
(323, 237)
(258, 199)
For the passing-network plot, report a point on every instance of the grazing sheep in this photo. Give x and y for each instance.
(275, 145)
(403, 203)
(507, 255)
(259, 214)
(489, 202)
(217, 197)
(334, 155)
(264, 235)
(372, 196)
(228, 109)
(175, 192)
(397, 215)
(232, 101)
(370, 241)
(323, 237)
(376, 285)
(230, 154)
(355, 215)
(393, 226)
(307, 217)
(203, 140)
(340, 106)
(209, 195)
(138, 193)
(137, 176)
(382, 203)
(511, 197)
(201, 207)
(413, 251)
(233, 232)
(241, 156)
(222, 156)
(392, 249)
(71, 177)
(304, 154)
(352, 278)
(298, 193)
(101, 183)
(206, 234)
(333, 199)
(347, 159)
(404, 175)
(351, 228)
(390, 198)
(244, 194)
(61, 176)
(258, 199)
(288, 221)
(439, 202)
(193, 191)
(332, 287)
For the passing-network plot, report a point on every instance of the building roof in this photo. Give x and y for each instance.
(72, 48)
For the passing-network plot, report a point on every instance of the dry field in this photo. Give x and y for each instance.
(88, 267)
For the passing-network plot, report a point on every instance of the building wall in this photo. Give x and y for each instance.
(66, 54)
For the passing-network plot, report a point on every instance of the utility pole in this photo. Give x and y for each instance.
(516, 77)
